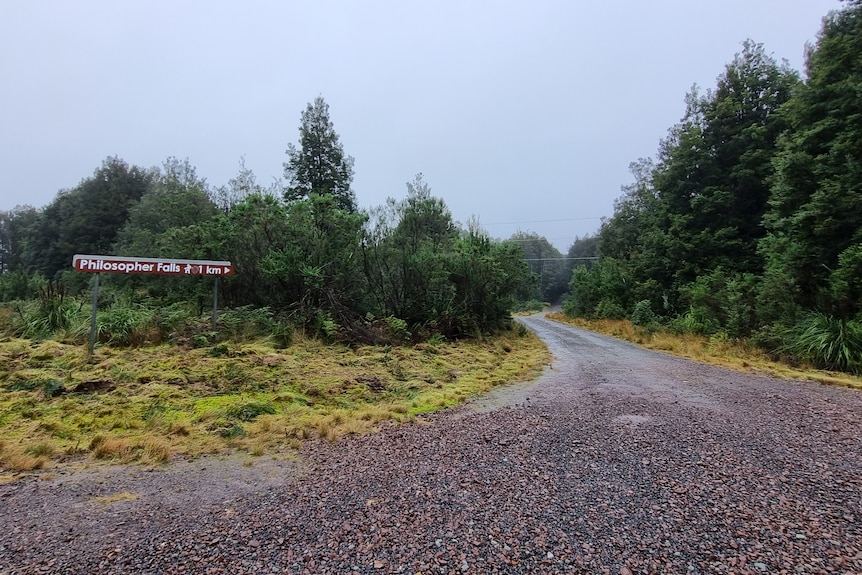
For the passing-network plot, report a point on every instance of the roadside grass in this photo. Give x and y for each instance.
(146, 405)
(721, 351)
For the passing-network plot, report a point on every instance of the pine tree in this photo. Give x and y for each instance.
(815, 210)
(319, 166)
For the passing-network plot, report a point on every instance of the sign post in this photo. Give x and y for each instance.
(215, 303)
(93, 317)
(148, 266)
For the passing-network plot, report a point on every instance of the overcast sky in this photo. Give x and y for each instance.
(517, 113)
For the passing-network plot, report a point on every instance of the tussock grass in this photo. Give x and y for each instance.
(721, 351)
(23, 457)
(148, 404)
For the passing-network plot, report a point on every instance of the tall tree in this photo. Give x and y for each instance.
(714, 170)
(583, 251)
(87, 218)
(240, 187)
(406, 248)
(17, 230)
(638, 236)
(319, 165)
(814, 246)
(177, 197)
(699, 208)
(546, 262)
(487, 277)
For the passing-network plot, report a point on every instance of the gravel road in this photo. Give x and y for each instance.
(617, 460)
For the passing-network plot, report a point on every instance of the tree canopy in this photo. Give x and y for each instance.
(749, 220)
(319, 165)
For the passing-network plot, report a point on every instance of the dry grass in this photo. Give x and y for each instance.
(146, 405)
(22, 457)
(724, 352)
(111, 448)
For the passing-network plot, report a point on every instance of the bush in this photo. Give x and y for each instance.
(397, 329)
(125, 324)
(51, 313)
(531, 305)
(175, 318)
(720, 301)
(695, 320)
(246, 322)
(325, 326)
(827, 342)
(610, 309)
(643, 314)
(232, 432)
(20, 285)
(282, 334)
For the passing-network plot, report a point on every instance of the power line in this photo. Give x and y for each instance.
(538, 239)
(541, 221)
(559, 259)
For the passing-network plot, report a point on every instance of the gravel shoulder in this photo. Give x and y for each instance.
(617, 460)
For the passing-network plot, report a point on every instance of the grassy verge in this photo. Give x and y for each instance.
(724, 352)
(149, 404)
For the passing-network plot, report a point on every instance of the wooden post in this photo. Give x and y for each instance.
(215, 304)
(93, 316)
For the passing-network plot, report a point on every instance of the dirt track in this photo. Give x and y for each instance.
(617, 460)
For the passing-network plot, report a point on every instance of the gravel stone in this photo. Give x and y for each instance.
(617, 460)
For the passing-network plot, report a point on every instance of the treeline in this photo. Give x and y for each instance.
(303, 250)
(749, 221)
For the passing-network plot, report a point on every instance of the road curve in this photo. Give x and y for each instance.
(617, 460)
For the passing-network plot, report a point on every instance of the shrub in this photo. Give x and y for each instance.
(175, 318)
(643, 314)
(720, 300)
(282, 334)
(219, 350)
(20, 285)
(52, 388)
(325, 326)
(695, 320)
(124, 324)
(52, 312)
(202, 340)
(827, 342)
(531, 305)
(398, 331)
(246, 322)
(610, 309)
(232, 432)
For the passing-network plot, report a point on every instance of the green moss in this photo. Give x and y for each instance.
(252, 396)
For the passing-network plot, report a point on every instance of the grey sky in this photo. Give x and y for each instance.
(514, 111)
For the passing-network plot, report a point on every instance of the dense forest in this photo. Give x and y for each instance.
(304, 251)
(748, 223)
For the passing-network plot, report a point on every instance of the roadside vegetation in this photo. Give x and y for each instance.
(743, 234)
(239, 389)
(741, 355)
(747, 226)
(338, 318)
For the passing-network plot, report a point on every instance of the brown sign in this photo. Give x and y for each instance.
(125, 265)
